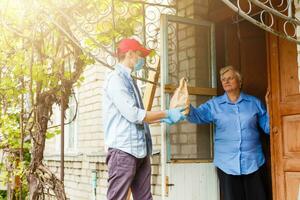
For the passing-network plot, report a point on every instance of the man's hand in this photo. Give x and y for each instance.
(167, 120)
(174, 116)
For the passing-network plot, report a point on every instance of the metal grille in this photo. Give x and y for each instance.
(146, 15)
(269, 12)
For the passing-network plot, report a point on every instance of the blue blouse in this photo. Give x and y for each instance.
(237, 145)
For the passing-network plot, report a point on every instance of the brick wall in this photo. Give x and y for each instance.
(78, 175)
(193, 62)
(90, 137)
(90, 127)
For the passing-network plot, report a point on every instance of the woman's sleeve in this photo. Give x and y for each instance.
(200, 115)
(263, 118)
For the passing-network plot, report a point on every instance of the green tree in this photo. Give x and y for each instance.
(41, 58)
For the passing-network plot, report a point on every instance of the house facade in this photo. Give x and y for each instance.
(194, 39)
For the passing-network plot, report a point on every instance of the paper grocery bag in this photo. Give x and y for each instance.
(181, 99)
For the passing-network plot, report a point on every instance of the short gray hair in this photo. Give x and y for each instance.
(223, 70)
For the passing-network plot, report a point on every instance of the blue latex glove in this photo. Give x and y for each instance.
(167, 120)
(175, 114)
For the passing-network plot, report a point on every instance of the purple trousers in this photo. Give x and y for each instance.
(126, 171)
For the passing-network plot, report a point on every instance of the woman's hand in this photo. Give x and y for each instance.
(267, 98)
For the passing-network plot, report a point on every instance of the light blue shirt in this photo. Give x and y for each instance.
(123, 119)
(237, 145)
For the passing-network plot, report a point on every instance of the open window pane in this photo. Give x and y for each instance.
(190, 55)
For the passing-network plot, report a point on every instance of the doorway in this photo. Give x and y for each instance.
(244, 46)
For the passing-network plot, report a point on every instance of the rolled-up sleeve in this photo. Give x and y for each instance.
(124, 100)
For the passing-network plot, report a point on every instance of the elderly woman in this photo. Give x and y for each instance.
(238, 153)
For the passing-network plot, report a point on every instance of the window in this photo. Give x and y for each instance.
(71, 124)
(190, 54)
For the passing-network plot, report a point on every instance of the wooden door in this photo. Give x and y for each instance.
(285, 117)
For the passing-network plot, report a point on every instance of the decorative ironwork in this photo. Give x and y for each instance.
(147, 13)
(269, 12)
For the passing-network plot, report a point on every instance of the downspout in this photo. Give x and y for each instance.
(94, 184)
(163, 77)
(62, 127)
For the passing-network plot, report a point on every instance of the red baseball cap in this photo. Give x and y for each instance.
(132, 44)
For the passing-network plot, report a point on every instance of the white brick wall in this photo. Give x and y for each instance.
(78, 171)
(90, 127)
